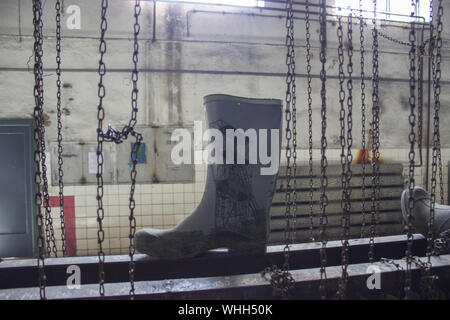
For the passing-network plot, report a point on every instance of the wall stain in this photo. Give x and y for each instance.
(404, 103)
(174, 55)
(46, 120)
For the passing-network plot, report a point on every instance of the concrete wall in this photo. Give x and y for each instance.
(198, 50)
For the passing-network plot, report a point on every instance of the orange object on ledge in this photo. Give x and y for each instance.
(365, 157)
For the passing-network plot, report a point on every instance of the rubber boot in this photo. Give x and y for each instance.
(421, 212)
(234, 210)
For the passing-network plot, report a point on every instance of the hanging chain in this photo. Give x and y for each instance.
(132, 206)
(294, 129)
(420, 55)
(412, 138)
(430, 234)
(49, 231)
(323, 163)
(436, 67)
(135, 148)
(363, 122)
(308, 77)
(59, 113)
(38, 100)
(112, 135)
(348, 170)
(343, 280)
(100, 139)
(281, 279)
(375, 139)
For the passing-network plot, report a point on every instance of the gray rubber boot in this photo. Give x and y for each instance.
(234, 210)
(421, 212)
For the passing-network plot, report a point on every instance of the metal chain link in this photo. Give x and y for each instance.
(281, 279)
(375, 196)
(49, 230)
(363, 121)
(412, 138)
(349, 159)
(59, 113)
(430, 235)
(441, 244)
(323, 163)
(135, 148)
(38, 100)
(310, 123)
(343, 158)
(112, 135)
(100, 138)
(436, 71)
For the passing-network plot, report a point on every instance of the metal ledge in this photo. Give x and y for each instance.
(23, 273)
(248, 286)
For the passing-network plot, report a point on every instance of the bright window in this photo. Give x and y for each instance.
(247, 3)
(402, 7)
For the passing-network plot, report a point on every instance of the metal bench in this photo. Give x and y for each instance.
(390, 217)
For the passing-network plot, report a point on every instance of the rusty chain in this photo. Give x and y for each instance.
(436, 71)
(323, 146)
(38, 100)
(116, 136)
(343, 157)
(310, 123)
(375, 196)
(59, 113)
(363, 121)
(100, 138)
(281, 279)
(411, 155)
(135, 147)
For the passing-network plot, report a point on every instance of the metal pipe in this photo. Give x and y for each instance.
(154, 21)
(214, 72)
(430, 53)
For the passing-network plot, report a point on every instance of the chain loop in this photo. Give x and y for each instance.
(116, 136)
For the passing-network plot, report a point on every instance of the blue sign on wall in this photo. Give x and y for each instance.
(141, 155)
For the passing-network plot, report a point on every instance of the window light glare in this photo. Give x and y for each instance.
(245, 3)
(402, 7)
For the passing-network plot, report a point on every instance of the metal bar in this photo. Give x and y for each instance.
(154, 21)
(428, 117)
(22, 273)
(252, 286)
(214, 72)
